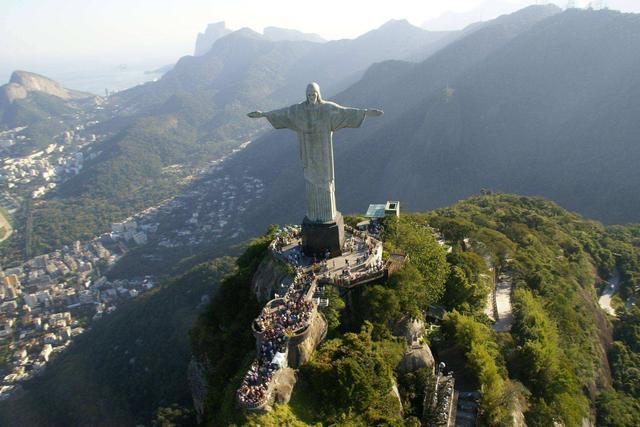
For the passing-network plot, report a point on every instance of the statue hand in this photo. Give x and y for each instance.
(255, 114)
(372, 112)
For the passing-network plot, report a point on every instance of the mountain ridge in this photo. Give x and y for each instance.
(440, 124)
(21, 83)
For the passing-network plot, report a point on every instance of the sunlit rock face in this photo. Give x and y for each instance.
(22, 83)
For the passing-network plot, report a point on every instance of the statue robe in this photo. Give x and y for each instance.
(315, 124)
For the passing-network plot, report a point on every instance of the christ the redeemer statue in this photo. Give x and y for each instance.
(315, 121)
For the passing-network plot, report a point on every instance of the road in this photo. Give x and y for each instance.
(611, 287)
(503, 304)
(5, 224)
(498, 306)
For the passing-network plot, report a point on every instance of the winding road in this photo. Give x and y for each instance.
(4, 223)
(611, 287)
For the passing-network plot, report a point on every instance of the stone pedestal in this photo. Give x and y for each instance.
(317, 238)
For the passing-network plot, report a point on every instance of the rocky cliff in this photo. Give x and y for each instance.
(22, 83)
(301, 348)
(270, 278)
(206, 39)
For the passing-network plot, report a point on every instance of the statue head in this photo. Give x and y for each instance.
(313, 93)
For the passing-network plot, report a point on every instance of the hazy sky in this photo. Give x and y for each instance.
(163, 30)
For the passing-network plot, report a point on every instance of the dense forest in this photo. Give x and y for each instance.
(552, 365)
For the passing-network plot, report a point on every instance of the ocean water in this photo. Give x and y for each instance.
(89, 76)
(99, 80)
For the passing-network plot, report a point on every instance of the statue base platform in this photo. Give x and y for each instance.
(323, 237)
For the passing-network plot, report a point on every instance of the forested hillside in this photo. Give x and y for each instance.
(552, 365)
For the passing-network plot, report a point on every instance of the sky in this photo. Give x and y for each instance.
(66, 33)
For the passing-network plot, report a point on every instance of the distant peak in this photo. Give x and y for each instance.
(22, 82)
(396, 23)
(31, 80)
(278, 33)
(206, 39)
(247, 32)
(22, 77)
(216, 25)
(396, 27)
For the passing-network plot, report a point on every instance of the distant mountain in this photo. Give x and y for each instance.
(244, 70)
(278, 34)
(514, 23)
(29, 97)
(547, 109)
(216, 31)
(211, 34)
(160, 70)
(487, 10)
(22, 83)
(197, 112)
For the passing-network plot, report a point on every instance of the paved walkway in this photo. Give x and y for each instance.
(503, 304)
(611, 287)
(357, 259)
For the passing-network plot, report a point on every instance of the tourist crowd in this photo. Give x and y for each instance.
(282, 317)
(276, 323)
(285, 237)
(349, 276)
(292, 314)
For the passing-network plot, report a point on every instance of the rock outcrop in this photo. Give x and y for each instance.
(210, 36)
(418, 354)
(395, 393)
(283, 382)
(24, 82)
(270, 278)
(197, 376)
(416, 357)
(301, 347)
(411, 329)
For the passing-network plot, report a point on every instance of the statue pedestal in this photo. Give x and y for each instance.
(318, 238)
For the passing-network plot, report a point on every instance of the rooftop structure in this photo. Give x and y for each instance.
(381, 210)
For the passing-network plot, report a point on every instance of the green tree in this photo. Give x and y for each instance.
(617, 409)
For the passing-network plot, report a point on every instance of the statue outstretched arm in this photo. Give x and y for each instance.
(256, 114)
(373, 112)
(279, 119)
(349, 117)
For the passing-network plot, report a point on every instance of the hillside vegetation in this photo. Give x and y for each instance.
(130, 367)
(552, 365)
